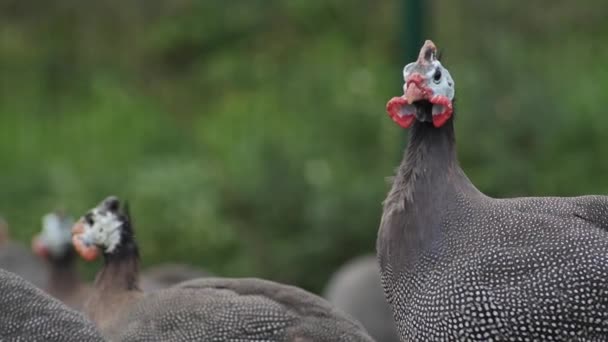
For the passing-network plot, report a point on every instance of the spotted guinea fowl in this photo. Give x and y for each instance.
(30, 315)
(207, 309)
(16, 258)
(459, 265)
(355, 289)
(54, 245)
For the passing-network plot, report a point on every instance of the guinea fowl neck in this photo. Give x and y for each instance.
(121, 266)
(63, 275)
(430, 169)
(430, 160)
(427, 181)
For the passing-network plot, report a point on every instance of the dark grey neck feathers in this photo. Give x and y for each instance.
(430, 156)
(428, 178)
(121, 267)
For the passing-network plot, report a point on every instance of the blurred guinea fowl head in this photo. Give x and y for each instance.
(428, 91)
(105, 228)
(54, 240)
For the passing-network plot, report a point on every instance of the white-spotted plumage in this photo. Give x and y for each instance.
(28, 314)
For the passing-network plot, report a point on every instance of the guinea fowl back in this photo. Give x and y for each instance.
(29, 315)
(458, 265)
(245, 309)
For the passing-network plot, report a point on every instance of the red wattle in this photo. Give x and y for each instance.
(441, 118)
(393, 108)
(405, 121)
(88, 253)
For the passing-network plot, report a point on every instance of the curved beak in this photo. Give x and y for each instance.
(415, 89)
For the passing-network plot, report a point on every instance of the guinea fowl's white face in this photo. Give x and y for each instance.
(425, 80)
(55, 237)
(434, 75)
(102, 228)
(99, 228)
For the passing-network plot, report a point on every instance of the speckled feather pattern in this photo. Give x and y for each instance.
(521, 269)
(27, 314)
(224, 309)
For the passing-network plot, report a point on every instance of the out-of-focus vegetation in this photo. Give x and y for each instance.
(250, 136)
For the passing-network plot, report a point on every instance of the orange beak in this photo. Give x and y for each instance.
(87, 252)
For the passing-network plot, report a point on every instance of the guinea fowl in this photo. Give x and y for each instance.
(16, 258)
(208, 309)
(54, 245)
(459, 265)
(355, 289)
(30, 315)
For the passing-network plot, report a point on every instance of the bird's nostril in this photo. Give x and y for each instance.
(415, 78)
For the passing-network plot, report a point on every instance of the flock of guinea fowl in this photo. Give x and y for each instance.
(452, 264)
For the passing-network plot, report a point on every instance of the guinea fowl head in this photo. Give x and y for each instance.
(54, 240)
(428, 91)
(105, 228)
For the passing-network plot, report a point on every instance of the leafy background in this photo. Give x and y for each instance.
(250, 136)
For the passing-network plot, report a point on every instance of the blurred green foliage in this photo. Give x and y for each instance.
(250, 136)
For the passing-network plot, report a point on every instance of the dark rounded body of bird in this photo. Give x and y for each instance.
(235, 309)
(458, 265)
(206, 309)
(356, 289)
(27, 314)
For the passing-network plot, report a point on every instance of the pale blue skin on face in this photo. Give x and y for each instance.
(438, 80)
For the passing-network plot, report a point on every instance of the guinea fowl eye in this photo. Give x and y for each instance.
(437, 75)
(89, 219)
